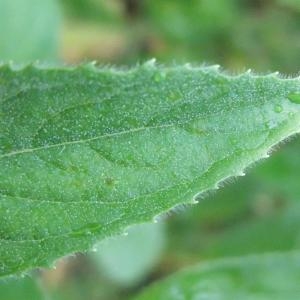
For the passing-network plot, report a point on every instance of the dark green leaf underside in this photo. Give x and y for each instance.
(86, 152)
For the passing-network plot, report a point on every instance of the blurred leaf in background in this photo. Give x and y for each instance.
(129, 259)
(292, 4)
(198, 28)
(29, 30)
(94, 29)
(99, 11)
(263, 35)
(25, 288)
(261, 277)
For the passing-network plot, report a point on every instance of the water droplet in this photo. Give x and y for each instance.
(158, 77)
(174, 96)
(278, 108)
(294, 97)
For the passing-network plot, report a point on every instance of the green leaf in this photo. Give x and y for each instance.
(271, 276)
(127, 259)
(241, 219)
(281, 174)
(86, 152)
(21, 288)
(29, 30)
(293, 4)
(101, 11)
(279, 232)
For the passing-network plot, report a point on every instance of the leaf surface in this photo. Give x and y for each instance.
(271, 276)
(86, 152)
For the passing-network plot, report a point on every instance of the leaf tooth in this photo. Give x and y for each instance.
(90, 65)
(275, 74)
(188, 66)
(248, 74)
(12, 66)
(215, 68)
(216, 186)
(34, 65)
(191, 67)
(194, 201)
(150, 63)
(94, 249)
(195, 198)
(157, 218)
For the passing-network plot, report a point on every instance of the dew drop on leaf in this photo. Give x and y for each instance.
(158, 77)
(174, 96)
(278, 108)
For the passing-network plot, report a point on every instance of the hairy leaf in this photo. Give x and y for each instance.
(271, 276)
(86, 152)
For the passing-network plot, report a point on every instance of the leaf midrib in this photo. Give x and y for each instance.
(108, 135)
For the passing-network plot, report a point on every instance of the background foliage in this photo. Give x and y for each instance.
(257, 214)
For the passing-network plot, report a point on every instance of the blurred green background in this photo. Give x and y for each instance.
(255, 214)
